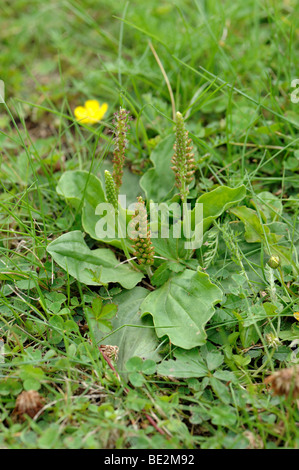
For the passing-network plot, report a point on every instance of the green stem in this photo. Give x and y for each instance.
(123, 243)
(284, 284)
(149, 271)
(187, 221)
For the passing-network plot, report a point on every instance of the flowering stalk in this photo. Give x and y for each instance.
(183, 161)
(142, 245)
(120, 142)
(110, 190)
(111, 196)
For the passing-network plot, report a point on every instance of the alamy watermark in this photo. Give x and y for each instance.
(295, 93)
(2, 92)
(165, 221)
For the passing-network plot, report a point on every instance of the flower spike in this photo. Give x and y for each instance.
(183, 159)
(120, 142)
(110, 190)
(142, 245)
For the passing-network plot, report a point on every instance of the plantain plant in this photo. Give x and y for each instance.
(164, 284)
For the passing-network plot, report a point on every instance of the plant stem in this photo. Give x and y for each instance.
(149, 271)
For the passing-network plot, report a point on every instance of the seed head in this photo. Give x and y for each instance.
(142, 245)
(110, 351)
(120, 142)
(183, 160)
(284, 382)
(28, 403)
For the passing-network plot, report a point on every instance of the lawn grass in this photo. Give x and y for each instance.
(229, 68)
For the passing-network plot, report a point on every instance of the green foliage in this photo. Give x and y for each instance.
(92, 267)
(64, 291)
(256, 231)
(183, 160)
(110, 190)
(81, 188)
(217, 201)
(101, 314)
(182, 307)
(85, 191)
(158, 182)
(136, 367)
(133, 335)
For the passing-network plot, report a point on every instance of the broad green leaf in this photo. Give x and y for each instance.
(163, 272)
(109, 311)
(101, 314)
(217, 201)
(148, 367)
(134, 364)
(10, 386)
(269, 205)
(70, 326)
(187, 364)
(83, 189)
(168, 239)
(91, 267)
(161, 275)
(90, 219)
(255, 231)
(171, 248)
(214, 360)
(28, 371)
(31, 384)
(220, 390)
(79, 187)
(248, 336)
(56, 329)
(158, 181)
(182, 307)
(224, 415)
(136, 379)
(241, 361)
(50, 436)
(135, 336)
(96, 307)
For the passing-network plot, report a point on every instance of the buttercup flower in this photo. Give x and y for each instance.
(91, 112)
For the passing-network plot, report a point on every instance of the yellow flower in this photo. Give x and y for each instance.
(91, 112)
(296, 315)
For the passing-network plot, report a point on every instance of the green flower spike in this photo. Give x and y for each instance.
(112, 198)
(142, 245)
(110, 190)
(183, 161)
(120, 142)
